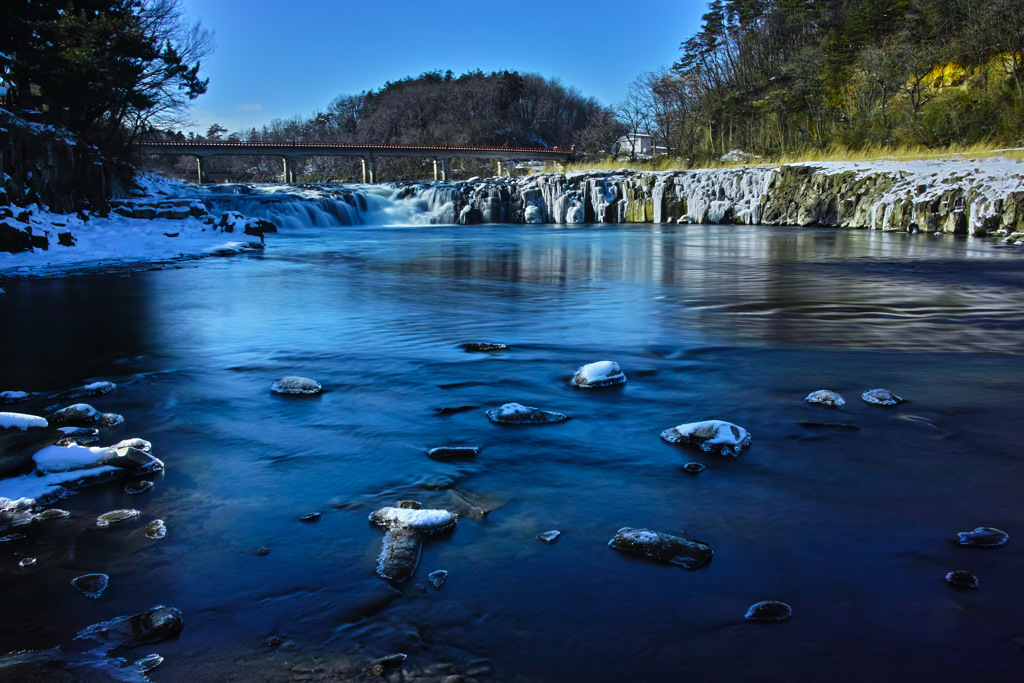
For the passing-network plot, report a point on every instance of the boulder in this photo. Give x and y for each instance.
(603, 373)
(663, 547)
(294, 385)
(81, 414)
(151, 626)
(710, 435)
(517, 414)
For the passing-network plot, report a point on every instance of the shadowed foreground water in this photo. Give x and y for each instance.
(855, 529)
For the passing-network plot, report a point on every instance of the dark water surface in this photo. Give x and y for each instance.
(853, 528)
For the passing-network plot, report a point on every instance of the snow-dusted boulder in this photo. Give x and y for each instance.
(16, 396)
(983, 537)
(517, 414)
(295, 385)
(91, 389)
(824, 397)
(425, 521)
(710, 435)
(81, 414)
(405, 528)
(881, 397)
(603, 373)
(684, 552)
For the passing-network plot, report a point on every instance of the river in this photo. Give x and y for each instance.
(854, 524)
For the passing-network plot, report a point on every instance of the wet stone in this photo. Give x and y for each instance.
(149, 662)
(151, 626)
(155, 530)
(453, 452)
(93, 389)
(962, 579)
(549, 536)
(452, 410)
(27, 562)
(983, 537)
(483, 347)
(684, 552)
(769, 610)
(92, 585)
(824, 397)
(713, 436)
(114, 516)
(137, 487)
(410, 504)
(603, 373)
(881, 397)
(53, 513)
(16, 396)
(263, 551)
(517, 414)
(311, 517)
(437, 578)
(693, 468)
(83, 414)
(295, 386)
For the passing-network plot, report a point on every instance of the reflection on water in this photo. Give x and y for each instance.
(854, 528)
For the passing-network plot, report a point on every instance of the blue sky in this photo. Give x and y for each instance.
(281, 59)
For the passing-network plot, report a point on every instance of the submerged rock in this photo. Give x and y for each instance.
(881, 397)
(549, 536)
(824, 397)
(295, 386)
(684, 552)
(769, 610)
(93, 389)
(137, 487)
(155, 530)
(983, 537)
(16, 396)
(84, 414)
(114, 516)
(479, 347)
(961, 578)
(693, 468)
(310, 517)
(149, 662)
(453, 452)
(603, 373)
(710, 435)
(437, 578)
(151, 626)
(92, 585)
(514, 413)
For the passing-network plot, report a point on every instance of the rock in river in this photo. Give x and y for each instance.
(93, 389)
(114, 516)
(672, 549)
(453, 452)
(711, 435)
(84, 414)
(92, 585)
(881, 397)
(405, 529)
(603, 373)
(983, 537)
(482, 347)
(769, 610)
(962, 579)
(152, 626)
(295, 386)
(516, 414)
(824, 397)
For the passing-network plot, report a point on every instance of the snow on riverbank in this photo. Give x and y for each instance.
(118, 241)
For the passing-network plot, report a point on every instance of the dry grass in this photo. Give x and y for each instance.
(832, 154)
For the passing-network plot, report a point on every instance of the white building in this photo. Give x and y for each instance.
(635, 145)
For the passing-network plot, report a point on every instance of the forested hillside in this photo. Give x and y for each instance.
(780, 76)
(500, 109)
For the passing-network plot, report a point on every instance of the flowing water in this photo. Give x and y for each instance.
(854, 528)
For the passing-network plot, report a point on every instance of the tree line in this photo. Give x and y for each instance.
(780, 76)
(497, 109)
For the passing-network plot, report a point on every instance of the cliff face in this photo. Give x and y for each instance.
(975, 198)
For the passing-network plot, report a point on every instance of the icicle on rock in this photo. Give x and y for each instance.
(824, 397)
(84, 414)
(405, 528)
(684, 552)
(769, 610)
(603, 373)
(295, 386)
(710, 435)
(881, 397)
(92, 585)
(515, 413)
(983, 537)
(151, 626)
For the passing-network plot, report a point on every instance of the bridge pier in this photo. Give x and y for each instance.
(201, 169)
(445, 171)
(289, 165)
(369, 170)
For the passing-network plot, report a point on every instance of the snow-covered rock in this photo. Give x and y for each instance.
(824, 397)
(881, 397)
(710, 435)
(81, 414)
(684, 552)
(603, 373)
(295, 385)
(515, 413)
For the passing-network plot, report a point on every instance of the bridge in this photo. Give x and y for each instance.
(290, 152)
